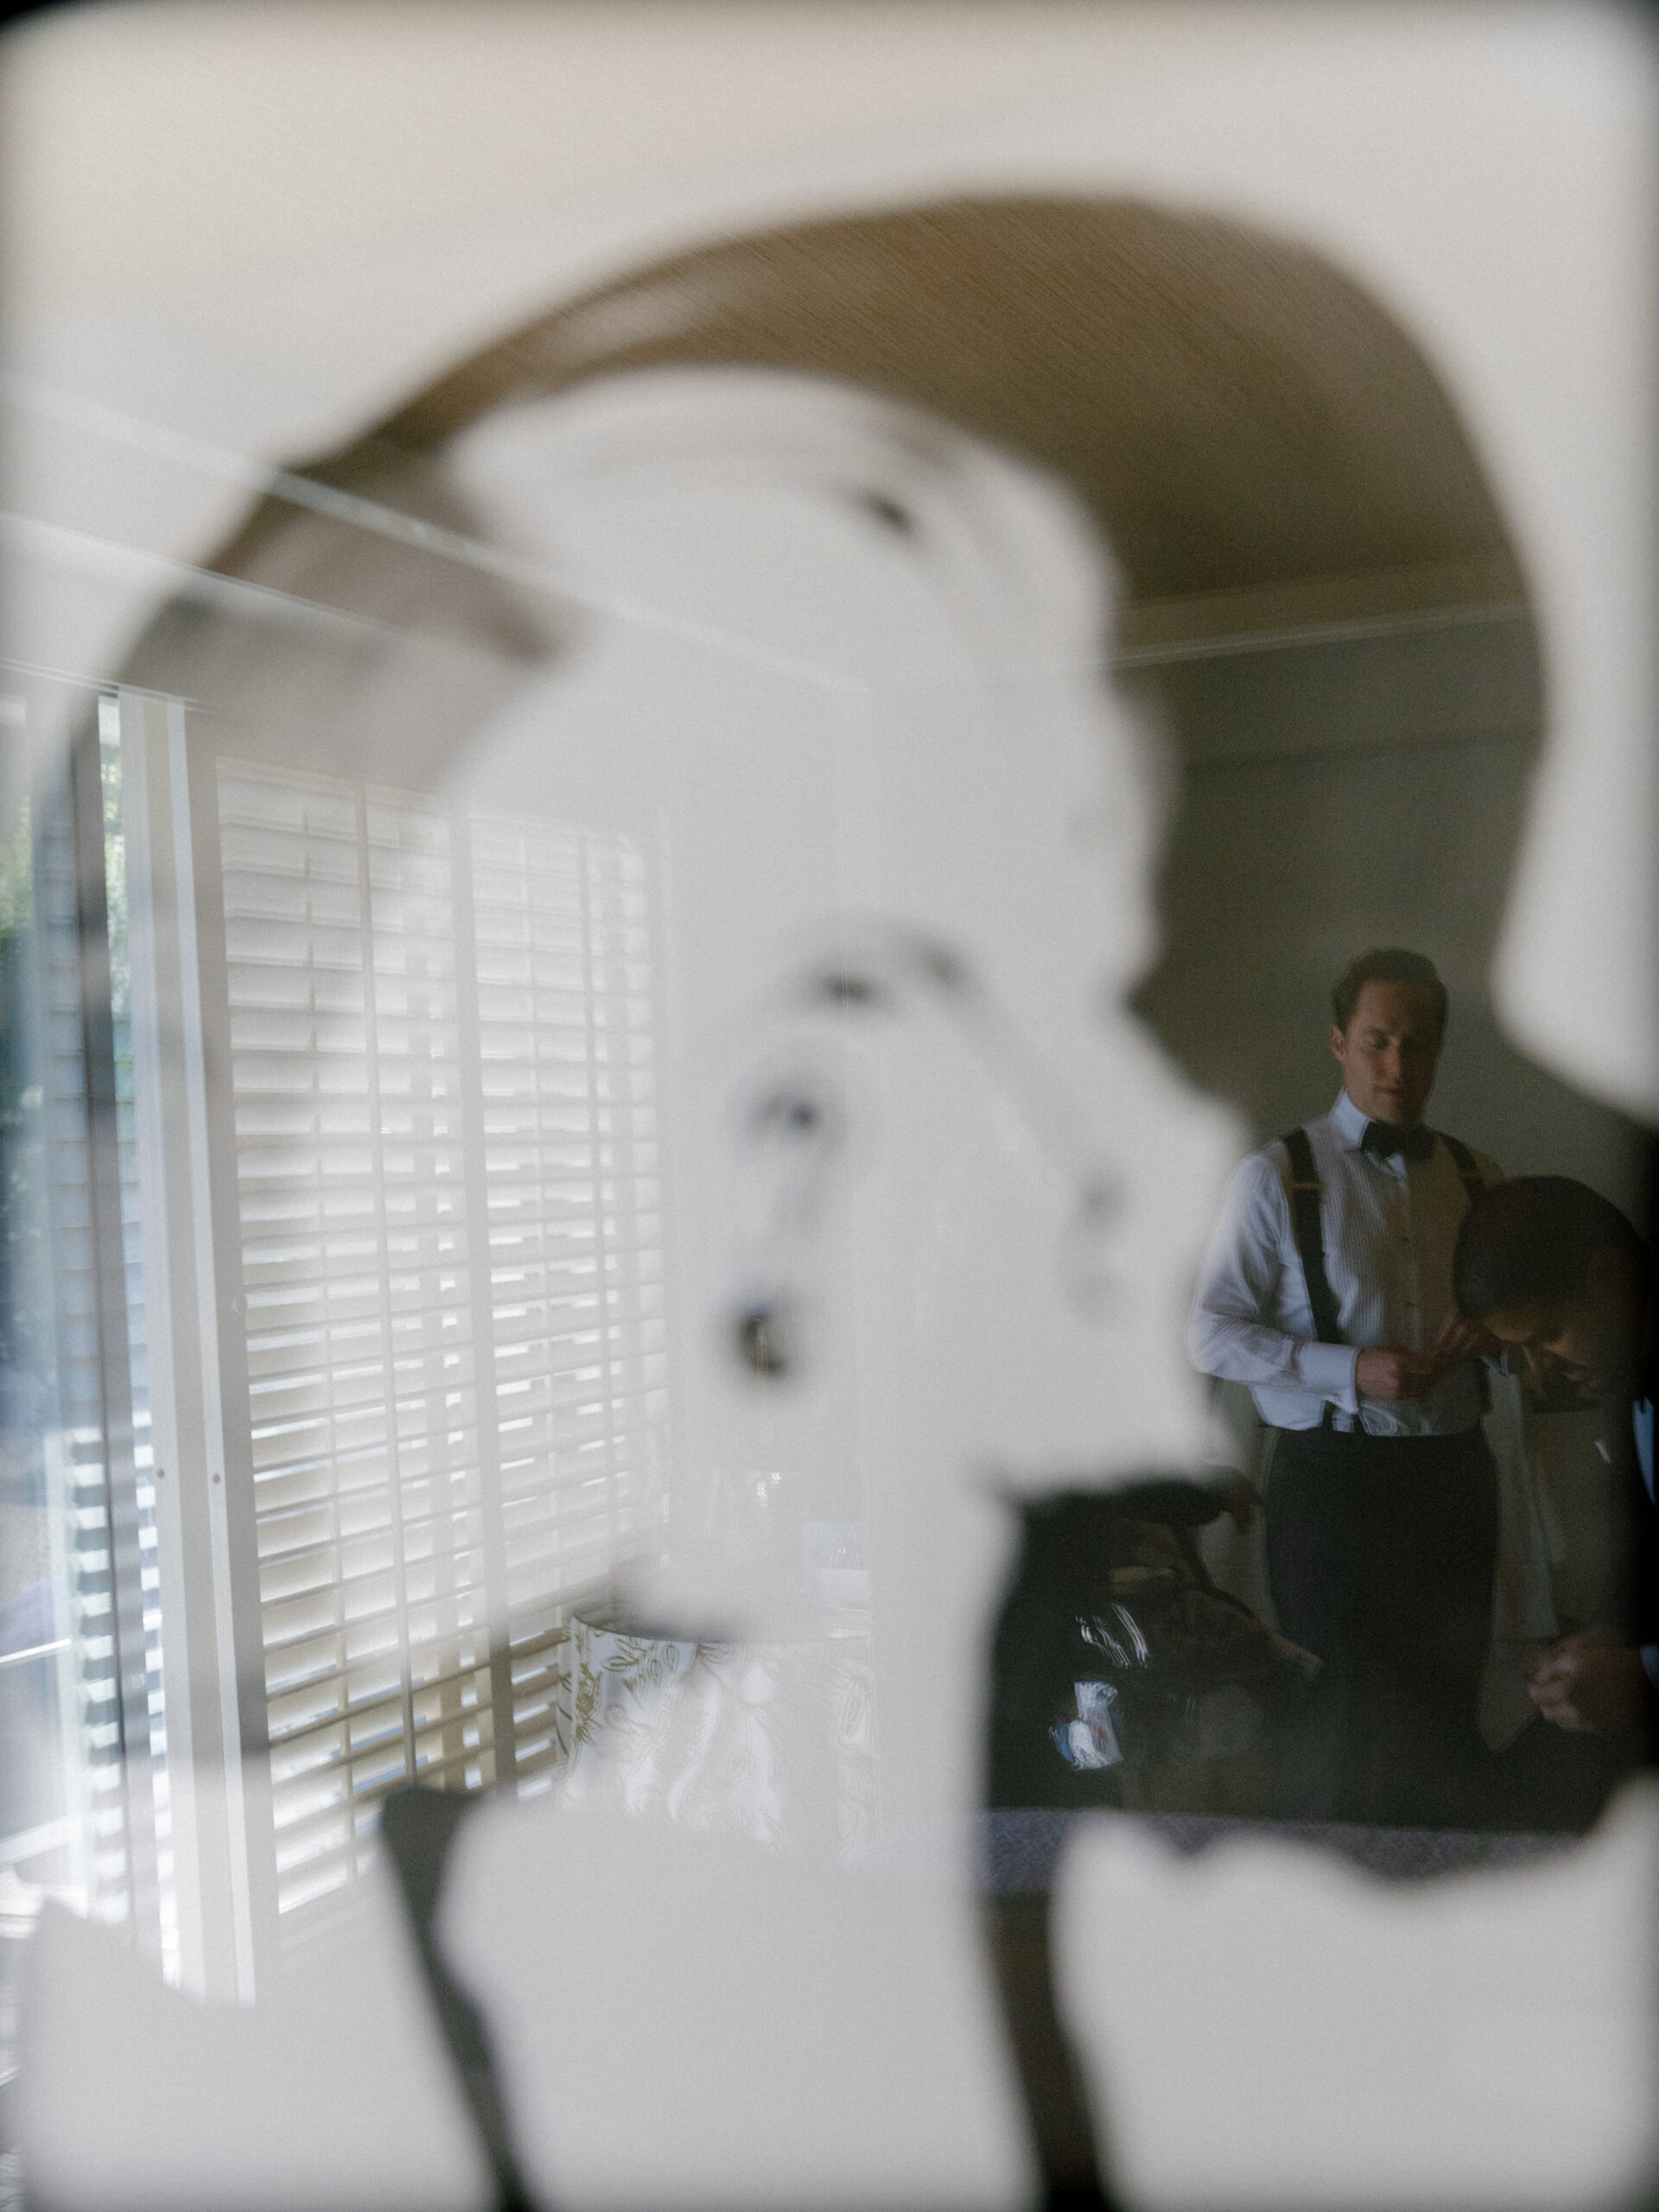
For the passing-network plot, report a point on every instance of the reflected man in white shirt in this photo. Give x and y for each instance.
(1326, 1287)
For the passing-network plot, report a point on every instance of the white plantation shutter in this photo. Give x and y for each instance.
(90, 1591)
(440, 1063)
(561, 933)
(107, 1638)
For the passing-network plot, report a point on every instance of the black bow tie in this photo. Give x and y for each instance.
(1384, 1140)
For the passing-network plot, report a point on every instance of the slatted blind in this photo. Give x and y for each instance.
(138, 1337)
(90, 1580)
(119, 1764)
(562, 944)
(441, 1050)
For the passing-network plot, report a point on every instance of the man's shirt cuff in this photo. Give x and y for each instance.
(1328, 1370)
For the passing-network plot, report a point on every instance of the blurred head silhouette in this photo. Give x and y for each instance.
(825, 557)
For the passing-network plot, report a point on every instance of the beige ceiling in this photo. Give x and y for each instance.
(1258, 441)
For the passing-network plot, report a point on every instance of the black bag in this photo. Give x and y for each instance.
(1116, 1660)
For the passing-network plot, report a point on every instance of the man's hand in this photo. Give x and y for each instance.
(1590, 1684)
(1458, 1340)
(1389, 1374)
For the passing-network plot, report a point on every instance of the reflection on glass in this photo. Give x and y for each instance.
(615, 1248)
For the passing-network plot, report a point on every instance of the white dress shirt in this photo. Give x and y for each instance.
(1389, 1227)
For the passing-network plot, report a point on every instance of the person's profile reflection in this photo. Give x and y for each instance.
(941, 459)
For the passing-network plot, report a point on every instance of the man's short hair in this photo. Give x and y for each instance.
(1387, 964)
(1532, 1239)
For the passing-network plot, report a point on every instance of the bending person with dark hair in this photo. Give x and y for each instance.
(1547, 1265)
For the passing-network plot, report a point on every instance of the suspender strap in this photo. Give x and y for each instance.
(1473, 1184)
(1464, 1160)
(1306, 1192)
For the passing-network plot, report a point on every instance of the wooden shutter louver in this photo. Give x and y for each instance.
(562, 929)
(105, 1476)
(440, 1064)
(88, 1549)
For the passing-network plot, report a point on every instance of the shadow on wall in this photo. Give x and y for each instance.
(1362, 787)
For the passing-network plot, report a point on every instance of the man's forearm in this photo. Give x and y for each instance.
(1238, 1350)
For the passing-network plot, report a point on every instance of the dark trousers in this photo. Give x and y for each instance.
(1380, 1553)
